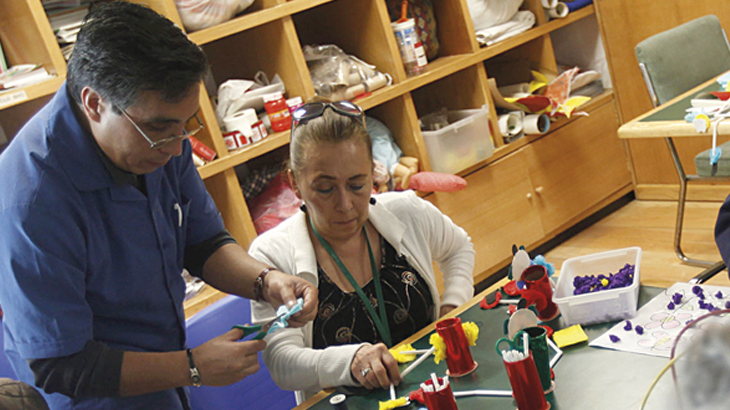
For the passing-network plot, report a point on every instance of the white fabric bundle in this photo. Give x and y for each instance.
(490, 13)
(522, 21)
(199, 14)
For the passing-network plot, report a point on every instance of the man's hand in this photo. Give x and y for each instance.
(282, 289)
(224, 360)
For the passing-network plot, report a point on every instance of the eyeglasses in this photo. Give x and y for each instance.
(310, 111)
(162, 142)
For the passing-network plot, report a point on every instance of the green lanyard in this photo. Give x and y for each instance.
(381, 322)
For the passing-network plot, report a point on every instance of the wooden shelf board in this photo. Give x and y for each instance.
(207, 296)
(529, 35)
(438, 69)
(251, 20)
(22, 95)
(504, 150)
(242, 155)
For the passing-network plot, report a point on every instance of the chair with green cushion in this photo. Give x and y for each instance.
(673, 62)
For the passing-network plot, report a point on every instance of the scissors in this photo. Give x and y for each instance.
(514, 344)
(279, 322)
(262, 329)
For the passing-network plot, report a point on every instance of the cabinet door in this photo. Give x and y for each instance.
(576, 167)
(496, 210)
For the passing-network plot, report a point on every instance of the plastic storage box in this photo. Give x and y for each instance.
(605, 305)
(463, 143)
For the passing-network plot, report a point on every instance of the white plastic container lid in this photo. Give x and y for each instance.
(410, 23)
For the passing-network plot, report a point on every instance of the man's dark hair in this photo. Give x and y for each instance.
(124, 49)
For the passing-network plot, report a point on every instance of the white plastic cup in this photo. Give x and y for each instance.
(411, 48)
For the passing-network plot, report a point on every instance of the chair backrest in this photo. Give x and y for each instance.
(6, 370)
(674, 61)
(257, 391)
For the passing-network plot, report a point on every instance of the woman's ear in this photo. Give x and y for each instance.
(293, 183)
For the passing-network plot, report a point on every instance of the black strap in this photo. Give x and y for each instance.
(183, 398)
(381, 321)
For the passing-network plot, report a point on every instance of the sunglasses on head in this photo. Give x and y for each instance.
(310, 111)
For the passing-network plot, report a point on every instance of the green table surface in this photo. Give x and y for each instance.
(585, 377)
(677, 110)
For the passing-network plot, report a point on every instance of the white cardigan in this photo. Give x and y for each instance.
(415, 228)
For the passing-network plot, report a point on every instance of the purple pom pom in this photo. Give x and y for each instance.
(670, 306)
(628, 326)
(696, 289)
(727, 305)
(718, 295)
(639, 330)
(614, 338)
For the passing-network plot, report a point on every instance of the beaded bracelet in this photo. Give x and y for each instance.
(258, 285)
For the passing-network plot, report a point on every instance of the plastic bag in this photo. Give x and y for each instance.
(237, 95)
(338, 76)
(274, 205)
(199, 14)
(490, 13)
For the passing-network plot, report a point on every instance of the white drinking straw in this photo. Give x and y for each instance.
(494, 393)
(526, 344)
(417, 351)
(417, 362)
(558, 353)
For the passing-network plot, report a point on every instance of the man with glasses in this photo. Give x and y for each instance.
(101, 208)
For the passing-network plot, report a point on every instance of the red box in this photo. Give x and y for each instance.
(202, 150)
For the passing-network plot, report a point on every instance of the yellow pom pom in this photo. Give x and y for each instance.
(604, 282)
(471, 331)
(439, 352)
(403, 358)
(391, 404)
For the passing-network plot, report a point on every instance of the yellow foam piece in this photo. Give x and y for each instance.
(570, 336)
(438, 343)
(391, 404)
(400, 357)
(471, 331)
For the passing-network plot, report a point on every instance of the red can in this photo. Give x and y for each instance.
(278, 111)
(458, 356)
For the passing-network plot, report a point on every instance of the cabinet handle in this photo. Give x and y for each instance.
(539, 190)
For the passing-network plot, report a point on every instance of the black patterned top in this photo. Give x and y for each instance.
(342, 318)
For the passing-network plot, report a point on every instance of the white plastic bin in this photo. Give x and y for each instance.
(463, 143)
(605, 305)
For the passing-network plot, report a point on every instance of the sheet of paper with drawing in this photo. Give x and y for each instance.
(658, 323)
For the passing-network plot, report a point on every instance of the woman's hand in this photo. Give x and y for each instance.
(282, 289)
(445, 309)
(374, 367)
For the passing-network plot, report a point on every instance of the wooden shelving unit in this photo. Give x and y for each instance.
(524, 193)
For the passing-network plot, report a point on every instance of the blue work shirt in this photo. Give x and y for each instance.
(82, 258)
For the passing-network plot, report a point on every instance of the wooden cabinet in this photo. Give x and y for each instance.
(538, 191)
(524, 193)
(497, 209)
(576, 167)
